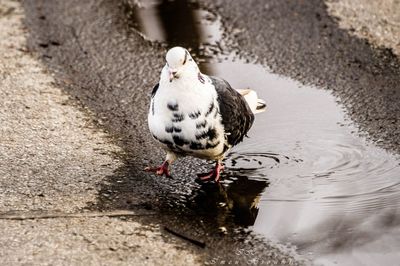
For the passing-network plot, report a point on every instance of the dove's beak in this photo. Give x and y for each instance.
(172, 74)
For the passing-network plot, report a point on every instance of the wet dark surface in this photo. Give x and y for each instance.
(303, 177)
(321, 177)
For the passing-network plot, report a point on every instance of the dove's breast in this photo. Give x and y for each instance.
(187, 121)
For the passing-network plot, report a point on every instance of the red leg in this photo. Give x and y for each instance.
(214, 174)
(160, 170)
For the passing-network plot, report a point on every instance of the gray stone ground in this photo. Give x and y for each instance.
(377, 21)
(51, 159)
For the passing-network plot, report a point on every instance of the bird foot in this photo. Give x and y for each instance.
(215, 174)
(160, 170)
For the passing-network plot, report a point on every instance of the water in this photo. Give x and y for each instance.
(304, 176)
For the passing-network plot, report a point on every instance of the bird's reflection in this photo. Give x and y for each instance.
(236, 201)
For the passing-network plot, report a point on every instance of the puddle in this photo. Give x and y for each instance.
(304, 176)
(330, 192)
(198, 30)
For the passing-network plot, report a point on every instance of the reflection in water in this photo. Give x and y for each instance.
(331, 193)
(178, 19)
(239, 199)
(303, 176)
(171, 22)
(179, 23)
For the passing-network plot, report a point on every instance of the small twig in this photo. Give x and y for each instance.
(193, 241)
(54, 215)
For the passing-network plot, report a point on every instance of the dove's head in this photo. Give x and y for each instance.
(179, 63)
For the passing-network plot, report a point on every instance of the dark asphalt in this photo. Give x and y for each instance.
(110, 70)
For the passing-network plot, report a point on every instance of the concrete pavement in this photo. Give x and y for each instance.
(53, 158)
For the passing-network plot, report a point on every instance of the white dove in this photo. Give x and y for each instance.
(197, 115)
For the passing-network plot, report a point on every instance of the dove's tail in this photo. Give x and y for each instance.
(256, 105)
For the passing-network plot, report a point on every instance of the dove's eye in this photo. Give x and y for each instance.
(184, 60)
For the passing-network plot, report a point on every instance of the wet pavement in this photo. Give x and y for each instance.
(307, 177)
